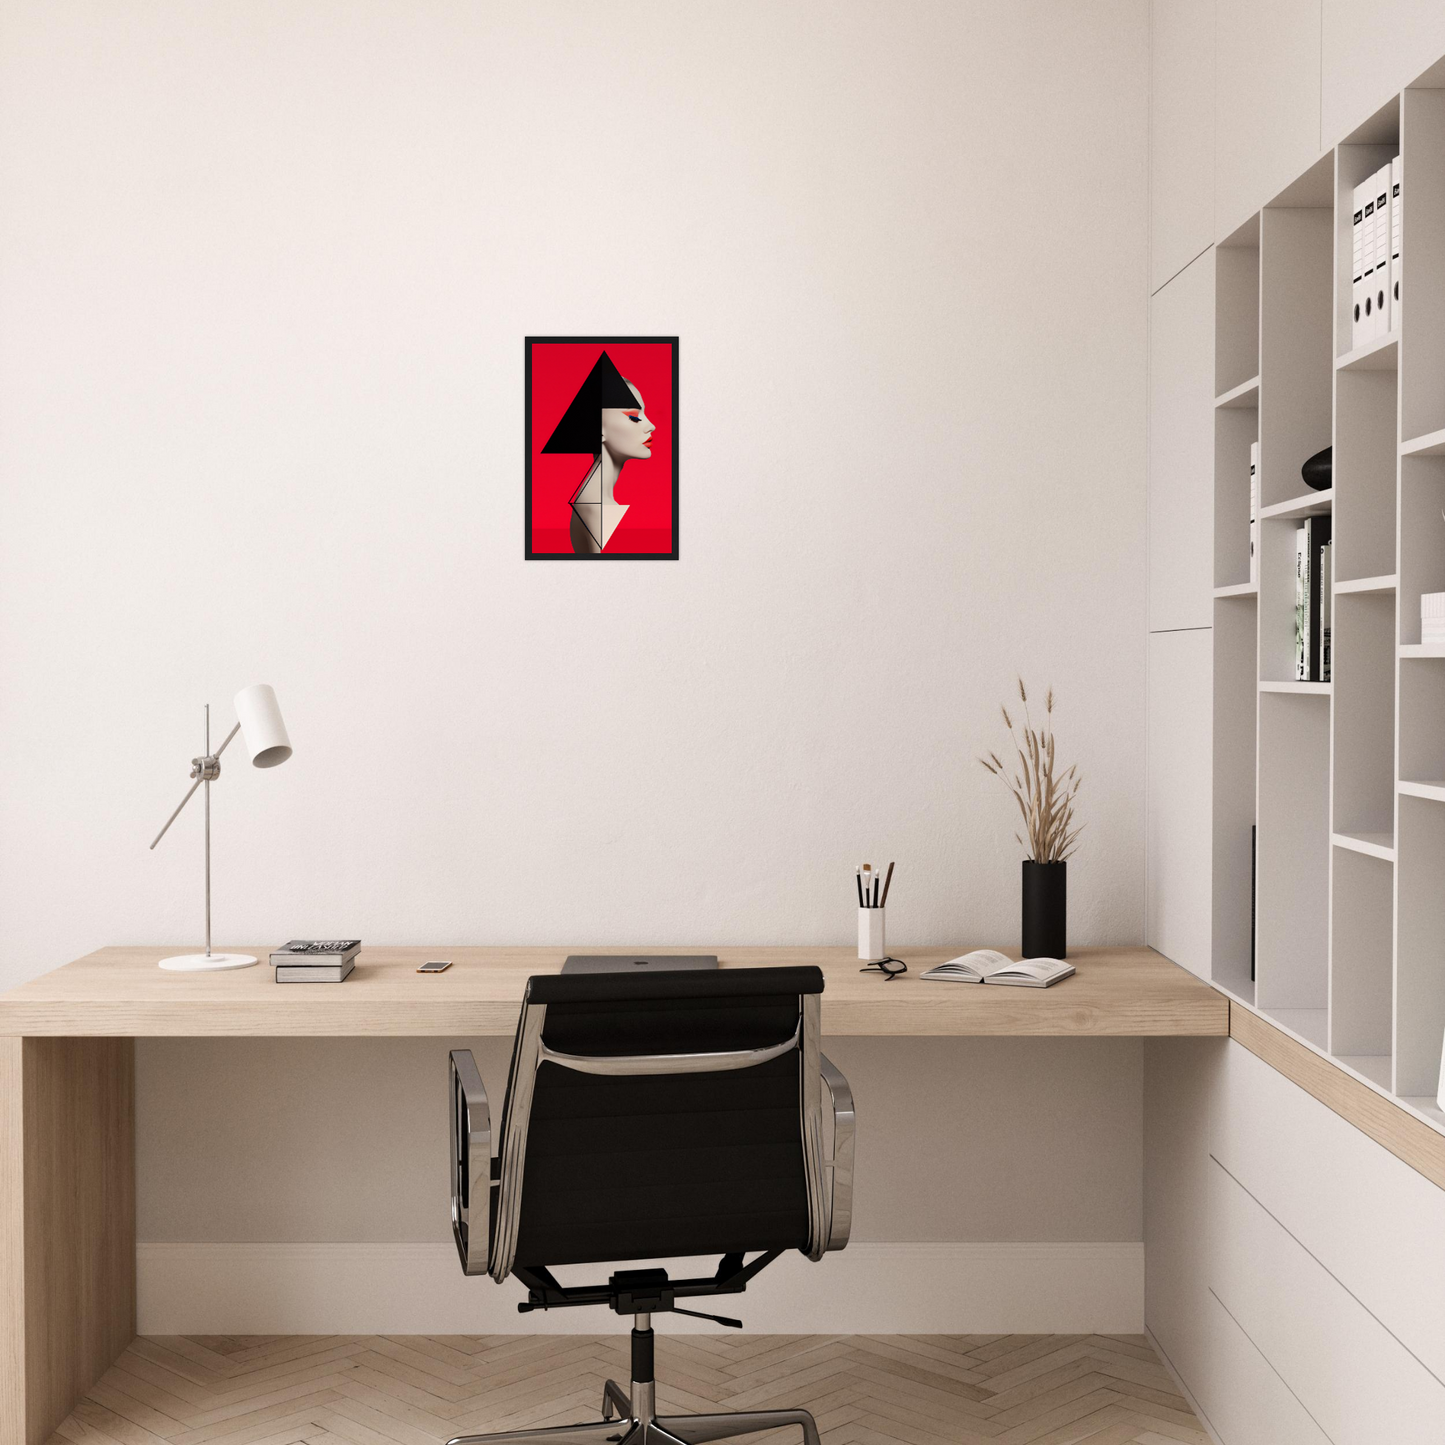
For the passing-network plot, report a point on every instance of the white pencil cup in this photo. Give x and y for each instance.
(870, 934)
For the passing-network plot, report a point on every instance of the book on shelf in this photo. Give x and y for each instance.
(1301, 606)
(1326, 606)
(988, 965)
(1310, 612)
(314, 972)
(1254, 513)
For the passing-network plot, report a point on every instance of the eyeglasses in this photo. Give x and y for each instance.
(890, 968)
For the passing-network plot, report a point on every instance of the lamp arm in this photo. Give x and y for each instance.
(177, 813)
(200, 774)
(227, 743)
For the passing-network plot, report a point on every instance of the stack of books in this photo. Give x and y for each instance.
(315, 960)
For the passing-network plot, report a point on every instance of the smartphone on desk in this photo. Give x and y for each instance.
(435, 965)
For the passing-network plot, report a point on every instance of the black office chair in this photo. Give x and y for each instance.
(649, 1117)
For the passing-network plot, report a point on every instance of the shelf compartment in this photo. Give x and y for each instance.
(1422, 721)
(1422, 537)
(1364, 715)
(1294, 855)
(1420, 935)
(1236, 309)
(1236, 706)
(1372, 845)
(1366, 584)
(1244, 397)
(1365, 459)
(1422, 308)
(1296, 351)
(1234, 432)
(1277, 539)
(1432, 444)
(1381, 354)
(1362, 931)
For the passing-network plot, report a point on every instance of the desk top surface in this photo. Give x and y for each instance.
(120, 992)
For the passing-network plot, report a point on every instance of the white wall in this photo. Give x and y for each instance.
(265, 271)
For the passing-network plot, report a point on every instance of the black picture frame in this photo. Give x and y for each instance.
(533, 556)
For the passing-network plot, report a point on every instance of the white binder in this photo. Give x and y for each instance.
(1382, 251)
(1357, 268)
(1396, 225)
(1367, 322)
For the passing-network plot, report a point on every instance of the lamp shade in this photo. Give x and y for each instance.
(262, 730)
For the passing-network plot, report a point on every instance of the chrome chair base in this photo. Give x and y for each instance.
(641, 1427)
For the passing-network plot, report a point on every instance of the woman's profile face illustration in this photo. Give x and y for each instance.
(627, 431)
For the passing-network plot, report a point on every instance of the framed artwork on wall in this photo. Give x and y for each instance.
(601, 447)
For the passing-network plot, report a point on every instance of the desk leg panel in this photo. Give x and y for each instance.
(67, 1209)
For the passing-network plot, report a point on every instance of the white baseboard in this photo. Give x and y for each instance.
(312, 1289)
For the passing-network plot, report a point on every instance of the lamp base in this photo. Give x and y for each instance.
(207, 962)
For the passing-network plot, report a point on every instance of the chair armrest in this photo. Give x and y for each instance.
(840, 1216)
(471, 1129)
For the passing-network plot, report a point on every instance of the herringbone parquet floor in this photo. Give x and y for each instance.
(421, 1389)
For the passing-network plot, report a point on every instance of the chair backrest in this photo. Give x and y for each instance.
(662, 1115)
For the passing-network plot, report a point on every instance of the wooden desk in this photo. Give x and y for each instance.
(67, 1091)
(119, 992)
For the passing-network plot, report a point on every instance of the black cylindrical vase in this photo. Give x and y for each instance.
(1046, 909)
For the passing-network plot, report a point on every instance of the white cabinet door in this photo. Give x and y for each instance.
(1371, 1220)
(1266, 102)
(1246, 1401)
(1370, 52)
(1358, 1382)
(1181, 134)
(1178, 901)
(1181, 450)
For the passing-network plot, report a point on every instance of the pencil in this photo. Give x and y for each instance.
(859, 881)
(887, 883)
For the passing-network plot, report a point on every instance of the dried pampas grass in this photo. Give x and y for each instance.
(1046, 801)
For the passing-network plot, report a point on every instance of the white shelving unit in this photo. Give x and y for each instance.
(1344, 781)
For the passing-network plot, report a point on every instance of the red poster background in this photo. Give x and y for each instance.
(645, 487)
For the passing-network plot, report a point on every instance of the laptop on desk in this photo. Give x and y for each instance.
(637, 962)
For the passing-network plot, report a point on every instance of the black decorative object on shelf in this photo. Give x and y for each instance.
(1046, 909)
(1319, 471)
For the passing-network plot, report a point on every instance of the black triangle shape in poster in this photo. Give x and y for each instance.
(580, 429)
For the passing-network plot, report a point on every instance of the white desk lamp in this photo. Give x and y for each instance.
(258, 720)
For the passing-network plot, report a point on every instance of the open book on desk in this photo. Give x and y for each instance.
(987, 965)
